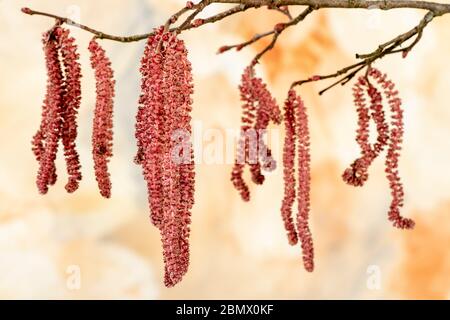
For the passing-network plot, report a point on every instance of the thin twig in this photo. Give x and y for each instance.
(258, 36)
(240, 46)
(390, 47)
(126, 39)
(437, 9)
(279, 28)
(283, 10)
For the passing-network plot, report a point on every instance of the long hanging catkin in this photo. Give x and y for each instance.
(149, 125)
(304, 185)
(163, 132)
(102, 132)
(393, 151)
(178, 161)
(297, 130)
(72, 100)
(289, 167)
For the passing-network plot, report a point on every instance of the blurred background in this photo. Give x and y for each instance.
(81, 246)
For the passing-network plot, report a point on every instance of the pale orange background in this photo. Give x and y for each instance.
(239, 250)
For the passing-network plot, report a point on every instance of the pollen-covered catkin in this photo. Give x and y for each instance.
(59, 111)
(45, 141)
(258, 109)
(71, 104)
(304, 185)
(289, 167)
(393, 151)
(163, 133)
(102, 131)
(297, 136)
(375, 85)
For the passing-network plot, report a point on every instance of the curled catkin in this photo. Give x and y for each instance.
(357, 174)
(267, 110)
(389, 134)
(393, 152)
(163, 131)
(102, 132)
(243, 149)
(304, 185)
(288, 167)
(258, 109)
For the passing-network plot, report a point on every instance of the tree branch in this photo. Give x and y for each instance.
(434, 9)
(437, 8)
(188, 24)
(279, 28)
(390, 47)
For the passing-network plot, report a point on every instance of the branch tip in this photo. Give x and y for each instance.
(27, 10)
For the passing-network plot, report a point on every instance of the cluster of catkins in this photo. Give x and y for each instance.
(60, 108)
(163, 130)
(163, 133)
(258, 109)
(368, 94)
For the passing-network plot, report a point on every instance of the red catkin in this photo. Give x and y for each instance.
(71, 104)
(179, 88)
(304, 185)
(45, 141)
(288, 167)
(165, 152)
(357, 174)
(258, 109)
(389, 134)
(393, 152)
(149, 124)
(297, 131)
(102, 132)
(247, 119)
(267, 110)
(59, 110)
